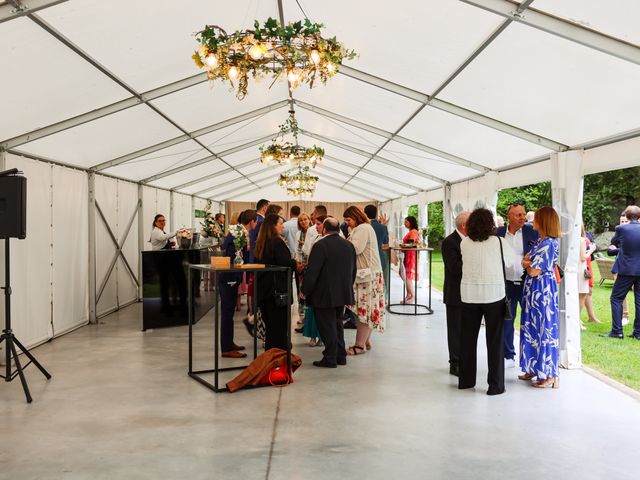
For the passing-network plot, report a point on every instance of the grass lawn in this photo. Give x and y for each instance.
(618, 359)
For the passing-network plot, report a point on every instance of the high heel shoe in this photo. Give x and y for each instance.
(526, 376)
(553, 382)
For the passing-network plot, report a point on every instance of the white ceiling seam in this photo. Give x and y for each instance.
(16, 8)
(68, 43)
(378, 158)
(453, 109)
(324, 168)
(562, 28)
(372, 173)
(389, 135)
(191, 135)
(214, 175)
(40, 158)
(102, 111)
(210, 158)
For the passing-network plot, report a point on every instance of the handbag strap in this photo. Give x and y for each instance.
(504, 268)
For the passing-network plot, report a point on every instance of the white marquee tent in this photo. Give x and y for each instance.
(104, 111)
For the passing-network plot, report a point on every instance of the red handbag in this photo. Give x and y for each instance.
(278, 377)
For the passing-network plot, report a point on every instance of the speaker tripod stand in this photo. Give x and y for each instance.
(11, 353)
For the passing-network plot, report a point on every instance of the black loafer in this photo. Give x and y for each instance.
(248, 326)
(496, 392)
(324, 363)
(612, 335)
(631, 335)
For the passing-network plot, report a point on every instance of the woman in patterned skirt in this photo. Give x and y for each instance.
(539, 330)
(369, 286)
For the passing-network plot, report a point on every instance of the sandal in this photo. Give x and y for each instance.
(355, 350)
(526, 376)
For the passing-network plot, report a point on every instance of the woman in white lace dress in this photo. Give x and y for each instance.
(369, 287)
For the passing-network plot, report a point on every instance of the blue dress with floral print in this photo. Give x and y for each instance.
(539, 323)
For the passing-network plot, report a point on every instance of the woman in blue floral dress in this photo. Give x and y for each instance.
(539, 323)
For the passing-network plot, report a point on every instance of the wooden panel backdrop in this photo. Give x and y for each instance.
(335, 209)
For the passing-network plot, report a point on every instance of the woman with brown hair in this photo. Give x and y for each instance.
(539, 322)
(369, 287)
(410, 262)
(271, 249)
(482, 291)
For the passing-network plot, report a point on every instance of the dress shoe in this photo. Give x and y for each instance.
(495, 392)
(233, 354)
(612, 335)
(237, 348)
(248, 326)
(631, 335)
(342, 361)
(324, 363)
(454, 370)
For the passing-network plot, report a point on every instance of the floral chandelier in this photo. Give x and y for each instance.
(282, 152)
(298, 181)
(296, 52)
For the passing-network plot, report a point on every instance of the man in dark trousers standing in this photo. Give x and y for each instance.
(328, 287)
(519, 238)
(627, 266)
(452, 258)
(229, 283)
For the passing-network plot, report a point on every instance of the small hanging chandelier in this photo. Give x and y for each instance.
(298, 182)
(283, 152)
(296, 52)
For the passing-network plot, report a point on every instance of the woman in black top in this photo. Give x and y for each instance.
(271, 249)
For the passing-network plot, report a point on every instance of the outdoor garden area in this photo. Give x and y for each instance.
(605, 197)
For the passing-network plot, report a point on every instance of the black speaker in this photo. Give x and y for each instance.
(13, 207)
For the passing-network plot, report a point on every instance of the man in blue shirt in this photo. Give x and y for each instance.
(382, 234)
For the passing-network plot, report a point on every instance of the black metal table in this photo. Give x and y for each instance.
(196, 374)
(424, 309)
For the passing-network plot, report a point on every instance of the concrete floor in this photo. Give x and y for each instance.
(120, 405)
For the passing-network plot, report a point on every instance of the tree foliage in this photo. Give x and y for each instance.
(607, 194)
(534, 196)
(436, 224)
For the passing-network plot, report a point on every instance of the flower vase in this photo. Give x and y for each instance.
(238, 260)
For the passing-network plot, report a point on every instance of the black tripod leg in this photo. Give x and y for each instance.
(32, 358)
(23, 380)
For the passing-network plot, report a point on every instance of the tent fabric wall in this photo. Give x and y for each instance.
(70, 249)
(127, 207)
(31, 258)
(106, 191)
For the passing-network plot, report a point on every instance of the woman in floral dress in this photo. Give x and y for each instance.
(369, 287)
(539, 331)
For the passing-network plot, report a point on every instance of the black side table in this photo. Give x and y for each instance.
(215, 273)
(418, 309)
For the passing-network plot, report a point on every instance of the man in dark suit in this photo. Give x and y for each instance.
(627, 266)
(229, 283)
(519, 238)
(452, 257)
(261, 208)
(328, 287)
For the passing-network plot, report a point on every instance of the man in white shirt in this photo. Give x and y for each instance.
(519, 238)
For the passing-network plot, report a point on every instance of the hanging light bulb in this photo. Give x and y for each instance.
(233, 73)
(315, 57)
(331, 67)
(257, 51)
(211, 60)
(293, 76)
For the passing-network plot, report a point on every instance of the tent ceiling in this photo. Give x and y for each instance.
(474, 89)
